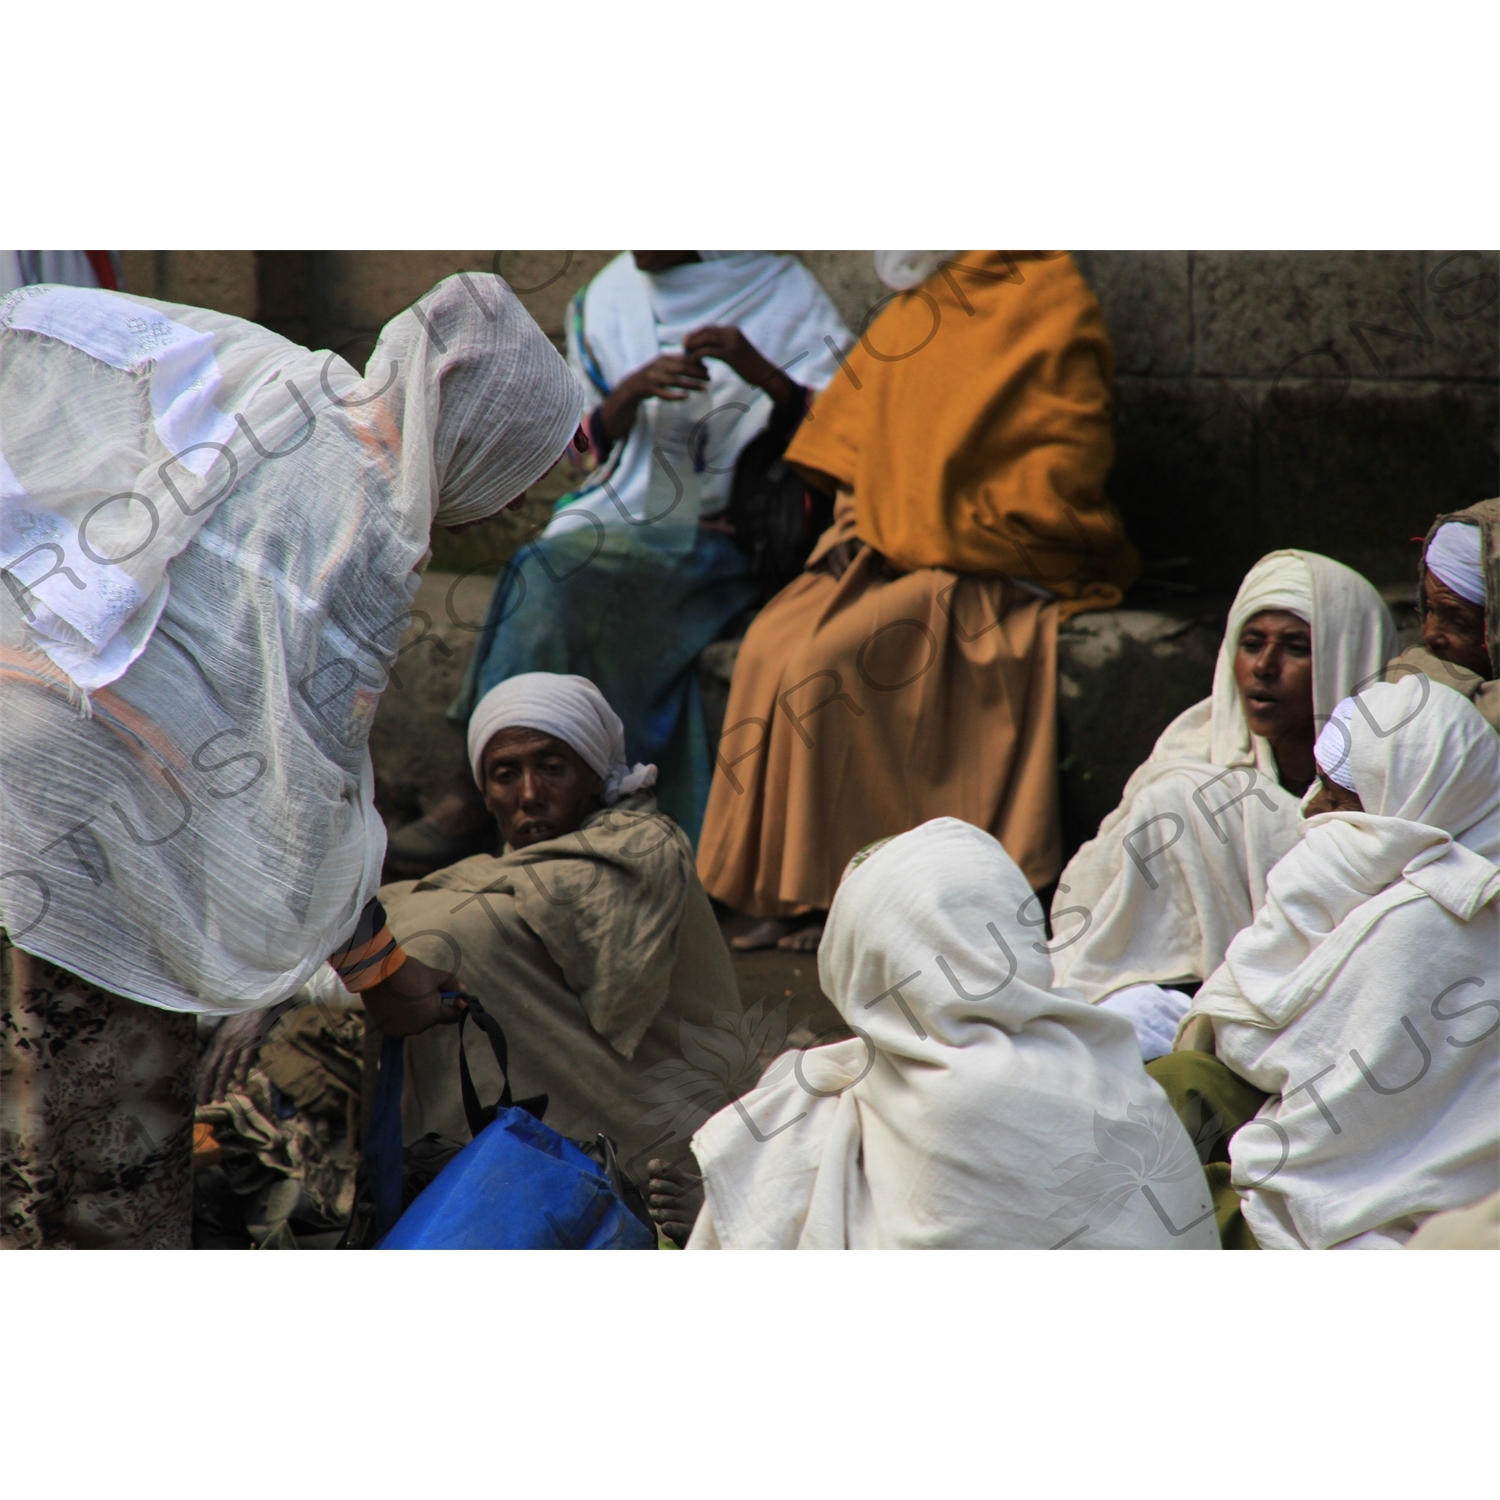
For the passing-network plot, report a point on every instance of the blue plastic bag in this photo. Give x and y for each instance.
(519, 1185)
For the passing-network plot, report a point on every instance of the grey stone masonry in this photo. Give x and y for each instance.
(1333, 400)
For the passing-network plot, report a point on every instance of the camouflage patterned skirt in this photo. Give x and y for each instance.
(96, 1114)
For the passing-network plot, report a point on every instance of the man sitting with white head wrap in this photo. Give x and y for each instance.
(1458, 592)
(1356, 1000)
(1180, 866)
(589, 938)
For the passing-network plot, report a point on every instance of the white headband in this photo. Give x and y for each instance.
(1453, 554)
(572, 709)
(1332, 749)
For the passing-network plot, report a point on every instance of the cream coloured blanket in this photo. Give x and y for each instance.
(1363, 997)
(599, 954)
(1180, 866)
(974, 1107)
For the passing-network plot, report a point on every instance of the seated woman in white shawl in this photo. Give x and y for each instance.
(590, 938)
(974, 1107)
(685, 356)
(1360, 1001)
(1180, 866)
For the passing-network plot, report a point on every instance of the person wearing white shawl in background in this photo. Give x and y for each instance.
(1180, 866)
(685, 356)
(974, 1108)
(1362, 998)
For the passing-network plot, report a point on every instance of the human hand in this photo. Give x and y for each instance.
(1154, 1012)
(735, 350)
(671, 377)
(232, 1052)
(410, 1001)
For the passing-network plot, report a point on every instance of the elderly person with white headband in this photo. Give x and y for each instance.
(1458, 591)
(209, 539)
(1146, 909)
(1358, 1011)
(588, 938)
(974, 1108)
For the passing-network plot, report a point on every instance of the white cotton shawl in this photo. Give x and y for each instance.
(208, 836)
(1362, 998)
(975, 1108)
(125, 423)
(1209, 790)
(572, 709)
(677, 462)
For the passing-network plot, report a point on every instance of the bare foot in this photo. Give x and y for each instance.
(675, 1194)
(767, 935)
(804, 940)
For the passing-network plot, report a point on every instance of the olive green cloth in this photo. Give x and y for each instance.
(1212, 1102)
(600, 956)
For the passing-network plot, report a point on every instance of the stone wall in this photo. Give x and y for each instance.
(1327, 400)
(1333, 400)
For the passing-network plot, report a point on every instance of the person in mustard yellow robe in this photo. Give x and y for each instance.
(909, 672)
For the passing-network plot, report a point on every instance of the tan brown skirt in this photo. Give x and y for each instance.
(865, 705)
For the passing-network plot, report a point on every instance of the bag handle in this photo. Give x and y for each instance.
(478, 1115)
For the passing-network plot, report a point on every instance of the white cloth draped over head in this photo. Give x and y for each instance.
(208, 836)
(975, 1107)
(1332, 748)
(1180, 866)
(677, 462)
(129, 422)
(1362, 997)
(1453, 554)
(572, 709)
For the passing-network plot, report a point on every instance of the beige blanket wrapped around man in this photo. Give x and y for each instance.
(593, 951)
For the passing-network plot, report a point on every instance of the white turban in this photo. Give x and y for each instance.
(572, 709)
(1453, 554)
(1332, 749)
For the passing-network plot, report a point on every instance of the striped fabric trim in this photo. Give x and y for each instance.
(371, 955)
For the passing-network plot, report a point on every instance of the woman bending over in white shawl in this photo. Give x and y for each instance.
(1363, 997)
(1180, 866)
(975, 1107)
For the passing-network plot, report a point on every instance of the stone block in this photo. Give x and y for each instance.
(223, 280)
(1123, 675)
(141, 271)
(545, 281)
(1358, 476)
(1463, 294)
(1183, 479)
(848, 276)
(1290, 315)
(414, 746)
(1144, 294)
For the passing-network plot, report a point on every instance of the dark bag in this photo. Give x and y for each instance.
(517, 1184)
(775, 514)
